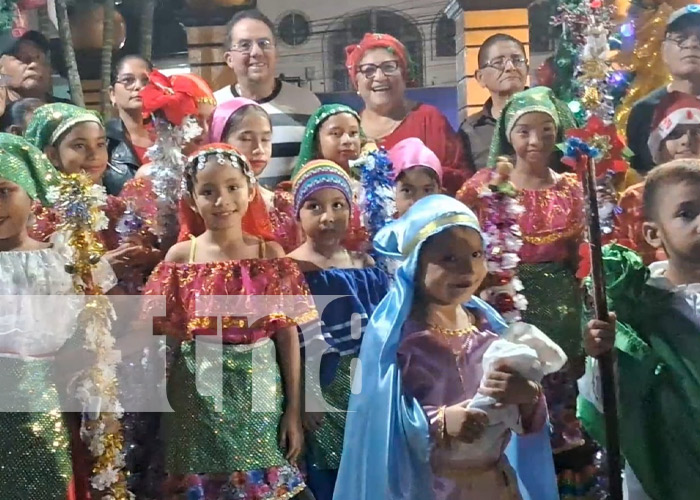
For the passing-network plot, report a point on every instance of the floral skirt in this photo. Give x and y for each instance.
(262, 484)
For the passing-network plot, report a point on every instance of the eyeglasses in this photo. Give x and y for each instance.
(246, 46)
(678, 132)
(369, 70)
(682, 40)
(500, 63)
(130, 81)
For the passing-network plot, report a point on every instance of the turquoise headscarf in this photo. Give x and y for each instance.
(309, 146)
(386, 451)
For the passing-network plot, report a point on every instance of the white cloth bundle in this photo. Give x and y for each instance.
(528, 351)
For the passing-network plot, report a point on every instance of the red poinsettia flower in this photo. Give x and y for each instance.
(175, 102)
(613, 153)
(584, 262)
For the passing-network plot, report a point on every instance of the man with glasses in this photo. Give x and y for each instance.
(503, 72)
(25, 65)
(251, 52)
(681, 54)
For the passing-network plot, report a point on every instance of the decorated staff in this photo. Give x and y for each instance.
(598, 154)
(79, 202)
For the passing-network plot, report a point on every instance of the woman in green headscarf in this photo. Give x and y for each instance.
(332, 133)
(532, 123)
(37, 321)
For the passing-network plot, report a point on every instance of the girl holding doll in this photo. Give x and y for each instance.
(409, 418)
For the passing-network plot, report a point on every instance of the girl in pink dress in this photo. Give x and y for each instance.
(240, 450)
(552, 226)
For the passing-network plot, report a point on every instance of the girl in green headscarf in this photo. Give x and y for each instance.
(332, 133)
(37, 321)
(74, 141)
(531, 124)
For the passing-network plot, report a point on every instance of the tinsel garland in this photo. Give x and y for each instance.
(645, 62)
(503, 242)
(167, 172)
(583, 52)
(374, 171)
(79, 204)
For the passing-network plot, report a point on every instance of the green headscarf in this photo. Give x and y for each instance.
(533, 100)
(309, 149)
(51, 121)
(26, 166)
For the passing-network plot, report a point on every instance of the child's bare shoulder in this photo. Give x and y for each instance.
(362, 260)
(179, 252)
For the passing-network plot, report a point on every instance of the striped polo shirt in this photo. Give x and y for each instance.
(289, 108)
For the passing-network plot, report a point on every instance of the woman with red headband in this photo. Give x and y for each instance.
(379, 68)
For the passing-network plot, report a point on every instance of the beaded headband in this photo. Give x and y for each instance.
(317, 175)
(198, 160)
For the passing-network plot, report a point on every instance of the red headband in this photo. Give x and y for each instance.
(177, 97)
(355, 53)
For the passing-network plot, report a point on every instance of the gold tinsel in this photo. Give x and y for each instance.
(646, 61)
(591, 98)
(80, 206)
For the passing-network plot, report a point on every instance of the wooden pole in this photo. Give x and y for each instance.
(605, 362)
(146, 40)
(107, 49)
(76, 88)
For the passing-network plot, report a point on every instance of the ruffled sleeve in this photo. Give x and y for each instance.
(287, 231)
(163, 287)
(45, 222)
(470, 192)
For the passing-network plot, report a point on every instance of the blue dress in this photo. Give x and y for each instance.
(345, 299)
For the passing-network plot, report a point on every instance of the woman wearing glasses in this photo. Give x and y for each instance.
(503, 72)
(379, 68)
(128, 136)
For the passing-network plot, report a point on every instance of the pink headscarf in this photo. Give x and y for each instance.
(412, 152)
(221, 115)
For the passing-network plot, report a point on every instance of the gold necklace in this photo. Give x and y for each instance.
(449, 332)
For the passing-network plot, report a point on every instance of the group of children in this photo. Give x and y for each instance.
(407, 385)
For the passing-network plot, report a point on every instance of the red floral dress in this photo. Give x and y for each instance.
(232, 452)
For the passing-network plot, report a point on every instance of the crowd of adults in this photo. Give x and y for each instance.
(379, 69)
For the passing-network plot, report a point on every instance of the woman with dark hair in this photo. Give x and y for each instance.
(128, 136)
(17, 115)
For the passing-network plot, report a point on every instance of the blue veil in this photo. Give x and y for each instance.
(386, 449)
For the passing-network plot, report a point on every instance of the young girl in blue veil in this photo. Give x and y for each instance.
(420, 364)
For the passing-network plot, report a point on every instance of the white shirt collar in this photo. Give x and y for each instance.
(658, 279)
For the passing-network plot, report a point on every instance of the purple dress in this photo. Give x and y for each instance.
(439, 371)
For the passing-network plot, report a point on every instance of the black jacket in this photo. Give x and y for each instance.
(639, 129)
(123, 161)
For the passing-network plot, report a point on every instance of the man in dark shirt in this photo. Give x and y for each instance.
(503, 72)
(25, 64)
(681, 53)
